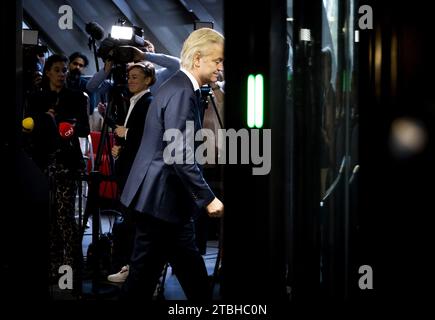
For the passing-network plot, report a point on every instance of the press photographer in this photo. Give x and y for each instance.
(127, 50)
(117, 54)
(115, 50)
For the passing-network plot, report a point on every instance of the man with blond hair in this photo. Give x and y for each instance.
(167, 196)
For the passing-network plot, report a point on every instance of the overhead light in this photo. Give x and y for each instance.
(289, 19)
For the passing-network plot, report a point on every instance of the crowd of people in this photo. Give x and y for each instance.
(159, 201)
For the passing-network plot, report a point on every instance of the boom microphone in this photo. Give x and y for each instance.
(95, 30)
(66, 130)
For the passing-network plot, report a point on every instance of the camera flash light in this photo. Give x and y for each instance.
(119, 32)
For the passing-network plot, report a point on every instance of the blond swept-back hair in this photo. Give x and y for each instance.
(198, 42)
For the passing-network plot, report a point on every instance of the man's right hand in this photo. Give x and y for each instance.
(215, 209)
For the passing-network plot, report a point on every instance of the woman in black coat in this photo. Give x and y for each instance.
(141, 76)
(60, 118)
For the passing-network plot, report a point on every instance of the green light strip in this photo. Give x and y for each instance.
(259, 100)
(255, 101)
(251, 101)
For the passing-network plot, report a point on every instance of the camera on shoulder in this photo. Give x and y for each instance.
(117, 46)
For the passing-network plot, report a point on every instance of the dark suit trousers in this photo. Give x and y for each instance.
(156, 243)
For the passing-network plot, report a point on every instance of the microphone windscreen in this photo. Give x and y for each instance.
(66, 130)
(95, 30)
(28, 124)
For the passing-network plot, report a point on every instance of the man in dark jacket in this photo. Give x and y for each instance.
(167, 195)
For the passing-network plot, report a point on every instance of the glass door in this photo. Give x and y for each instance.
(321, 93)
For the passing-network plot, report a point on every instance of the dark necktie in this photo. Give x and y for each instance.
(198, 95)
(200, 104)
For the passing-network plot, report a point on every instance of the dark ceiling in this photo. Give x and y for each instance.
(166, 23)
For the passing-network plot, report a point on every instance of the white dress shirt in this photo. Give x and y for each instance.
(192, 79)
(133, 101)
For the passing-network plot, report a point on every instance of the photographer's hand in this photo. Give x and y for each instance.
(108, 66)
(137, 54)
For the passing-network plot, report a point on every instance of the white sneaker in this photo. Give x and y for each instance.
(120, 276)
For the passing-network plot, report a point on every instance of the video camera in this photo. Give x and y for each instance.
(113, 47)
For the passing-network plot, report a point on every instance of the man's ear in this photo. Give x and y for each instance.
(196, 59)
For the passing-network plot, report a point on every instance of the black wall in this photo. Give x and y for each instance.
(396, 198)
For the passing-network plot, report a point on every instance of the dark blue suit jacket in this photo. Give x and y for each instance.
(175, 192)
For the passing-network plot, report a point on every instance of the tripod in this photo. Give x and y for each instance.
(93, 203)
(116, 108)
(93, 208)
